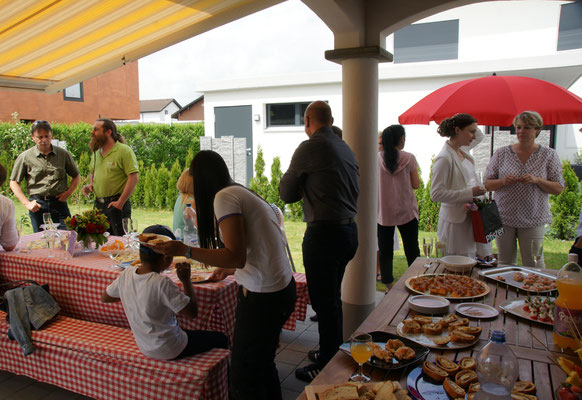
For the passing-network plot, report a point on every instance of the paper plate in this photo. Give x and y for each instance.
(476, 310)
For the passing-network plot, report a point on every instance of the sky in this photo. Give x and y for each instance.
(264, 43)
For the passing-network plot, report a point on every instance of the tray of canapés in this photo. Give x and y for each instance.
(444, 379)
(522, 278)
(448, 332)
(539, 309)
(449, 286)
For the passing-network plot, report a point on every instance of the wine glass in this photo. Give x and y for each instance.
(427, 249)
(537, 251)
(47, 219)
(127, 225)
(440, 248)
(361, 349)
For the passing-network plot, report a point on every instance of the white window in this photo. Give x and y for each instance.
(74, 92)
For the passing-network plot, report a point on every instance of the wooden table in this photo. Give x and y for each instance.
(532, 356)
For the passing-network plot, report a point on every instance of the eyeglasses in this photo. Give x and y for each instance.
(39, 121)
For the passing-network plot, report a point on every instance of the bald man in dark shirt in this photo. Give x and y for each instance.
(324, 173)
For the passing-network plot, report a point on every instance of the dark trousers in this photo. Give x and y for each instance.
(409, 233)
(258, 322)
(115, 216)
(327, 249)
(58, 209)
(201, 341)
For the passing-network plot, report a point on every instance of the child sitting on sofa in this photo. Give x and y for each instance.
(151, 302)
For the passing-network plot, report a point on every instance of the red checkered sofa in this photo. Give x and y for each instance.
(103, 362)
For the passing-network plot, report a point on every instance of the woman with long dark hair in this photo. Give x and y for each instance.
(397, 205)
(239, 233)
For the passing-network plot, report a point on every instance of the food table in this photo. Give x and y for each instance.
(77, 285)
(532, 356)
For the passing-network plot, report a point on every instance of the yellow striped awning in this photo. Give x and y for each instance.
(48, 45)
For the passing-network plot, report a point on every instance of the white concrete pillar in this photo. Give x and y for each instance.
(360, 131)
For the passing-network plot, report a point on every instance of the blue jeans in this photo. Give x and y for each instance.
(58, 209)
(327, 249)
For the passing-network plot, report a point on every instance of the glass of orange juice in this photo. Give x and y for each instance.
(361, 349)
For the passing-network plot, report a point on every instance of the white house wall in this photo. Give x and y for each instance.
(492, 36)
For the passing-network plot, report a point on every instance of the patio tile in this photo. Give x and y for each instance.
(310, 335)
(62, 394)
(288, 336)
(285, 369)
(34, 391)
(302, 345)
(15, 384)
(294, 384)
(290, 356)
(289, 394)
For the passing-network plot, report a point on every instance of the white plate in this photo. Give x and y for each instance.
(476, 310)
(427, 340)
(429, 304)
(458, 263)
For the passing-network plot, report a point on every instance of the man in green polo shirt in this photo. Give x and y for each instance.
(45, 168)
(114, 174)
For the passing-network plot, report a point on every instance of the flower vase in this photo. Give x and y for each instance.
(87, 245)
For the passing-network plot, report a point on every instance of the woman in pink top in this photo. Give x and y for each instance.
(397, 205)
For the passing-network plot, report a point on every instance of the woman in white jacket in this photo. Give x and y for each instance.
(455, 183)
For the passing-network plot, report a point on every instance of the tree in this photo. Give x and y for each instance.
(429, 215)
(259, 183)
(273, 189)
(565, 207)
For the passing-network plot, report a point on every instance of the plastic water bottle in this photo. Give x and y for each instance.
(497, 369)
(190, 233)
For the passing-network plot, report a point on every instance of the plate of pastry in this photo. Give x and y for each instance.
(449, 286)
(448, 332)
(392, 351)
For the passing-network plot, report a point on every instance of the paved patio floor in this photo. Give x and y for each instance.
(291, 354)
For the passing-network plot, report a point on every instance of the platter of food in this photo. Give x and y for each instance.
(476, 310)
(445, 379)
(385, 390)
(448, 333)
(522, 278)
(449, 286)
(200, 277)
(539, 309)
(392, 351)
(152, 238)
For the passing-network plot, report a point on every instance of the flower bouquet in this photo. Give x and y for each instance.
(90, 226)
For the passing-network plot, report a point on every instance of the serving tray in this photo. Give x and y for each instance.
(507, 277)
(427, 340)
(485, 287)
(515, 307)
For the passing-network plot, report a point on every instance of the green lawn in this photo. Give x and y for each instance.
(555, 251)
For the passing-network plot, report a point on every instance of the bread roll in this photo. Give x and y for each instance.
(446, 364)
(467, 363)
(465, 377)
(442, 340)
(452, 389)
(434, 328)
(343, 392)
(434, 372)
(460, 337)
(524, 387)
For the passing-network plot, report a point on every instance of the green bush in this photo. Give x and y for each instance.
(259, 183)
(565, 207)
(171, 190)
(149, 197)
(273, 189)
(429, 213)
(419, 193)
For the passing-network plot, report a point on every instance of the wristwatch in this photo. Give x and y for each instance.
(188, 252)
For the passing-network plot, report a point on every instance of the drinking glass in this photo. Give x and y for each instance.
(127, 224)
(361, 349)
(440, 248)
(64, 246)
(47, 221)
(427, 249)
(51, 241)
(537, 251)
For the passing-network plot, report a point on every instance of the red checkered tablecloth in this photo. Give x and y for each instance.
(78, 283)
(103, 362)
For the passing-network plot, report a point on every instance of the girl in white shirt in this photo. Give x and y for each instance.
(239, 233)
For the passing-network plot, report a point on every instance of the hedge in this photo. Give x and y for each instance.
(155, 146)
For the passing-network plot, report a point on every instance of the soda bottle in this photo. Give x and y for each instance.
(568, 309)
(190, 233)
(497, 369)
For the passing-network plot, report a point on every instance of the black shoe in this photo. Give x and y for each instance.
(307, 373)
(313, 355)
(314, 318)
